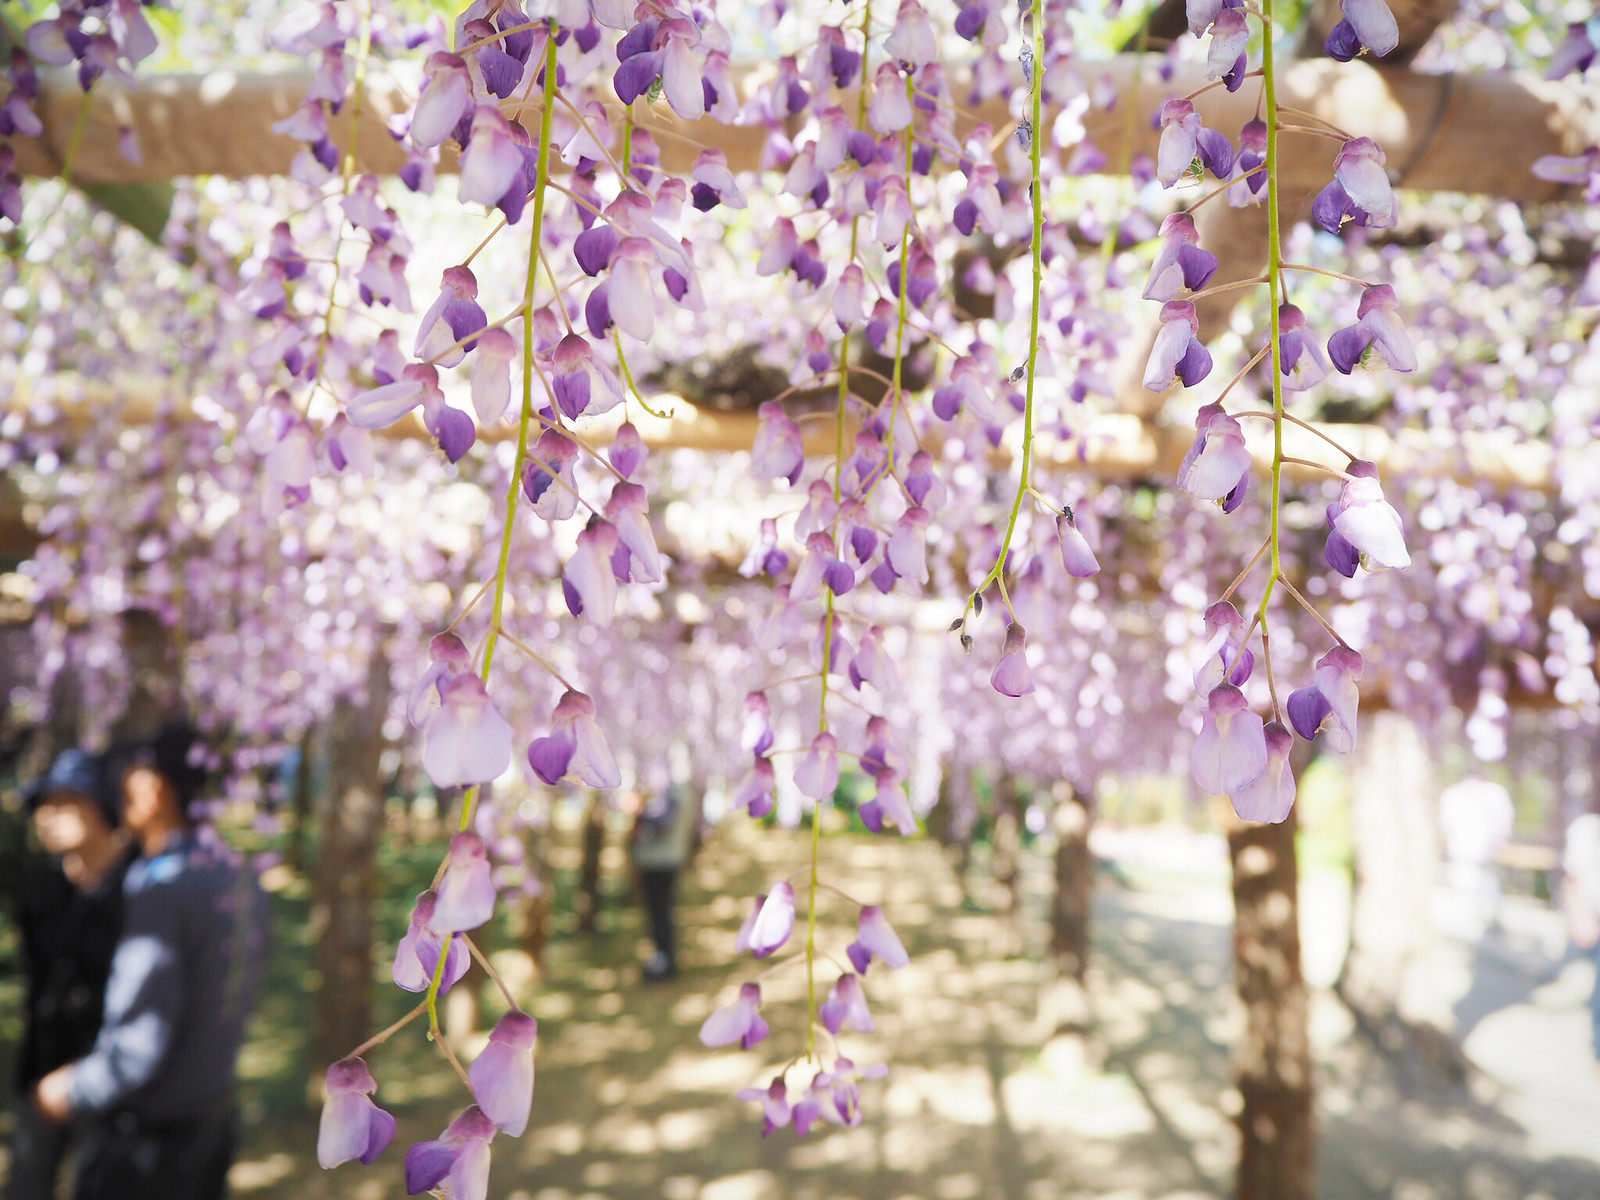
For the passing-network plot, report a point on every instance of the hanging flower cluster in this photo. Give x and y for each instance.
(1237, 753)
(96, 38)
(885, 207)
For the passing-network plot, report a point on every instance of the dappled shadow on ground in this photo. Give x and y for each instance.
(982, 1102)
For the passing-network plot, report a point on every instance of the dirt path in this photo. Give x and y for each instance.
(631, 1107)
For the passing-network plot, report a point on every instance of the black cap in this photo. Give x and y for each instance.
(83, 774)
(173, 753)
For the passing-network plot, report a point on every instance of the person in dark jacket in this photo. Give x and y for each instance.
(69, 915)
(155, 1094)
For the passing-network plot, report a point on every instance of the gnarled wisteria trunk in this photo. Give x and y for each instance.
(1272, 1058)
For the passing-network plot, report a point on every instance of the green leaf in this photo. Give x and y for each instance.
(144, 206)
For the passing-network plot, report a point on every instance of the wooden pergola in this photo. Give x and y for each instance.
(1460, 132)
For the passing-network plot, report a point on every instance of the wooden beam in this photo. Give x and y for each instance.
(1108, 446)
(1467, 132)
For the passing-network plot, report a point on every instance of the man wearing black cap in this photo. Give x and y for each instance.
(156, 1092)
(69, 914)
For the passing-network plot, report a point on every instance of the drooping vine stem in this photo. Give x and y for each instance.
(1035, 189)
(1269, 81)
(536, 235)
(347, 171)
(828, 619)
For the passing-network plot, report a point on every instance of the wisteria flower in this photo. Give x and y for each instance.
(352, 1126)
(1181, 267)
(1271, 796)
(446, 96)
(1225, 57)
(416, 957)
(876, 938)
(1225, 658)
(778, 452)
(466, 893)
(1368, 522)
(770, 923)
(1301, 358)
(1329, 705)
(817, 776)
(1011, 675)
(739, 1021)
(457, 1163)
(775, 1109)
(1178, 354)
(1186, 145)
(1360, 191)
(1365, 25)
(846, 1006)
(587, 581)
(1076, 554)
(502, 1075)
(575, 745)
(1377, 335)
(1231, 750)
(1219, 462)
(758, 792)
(888, 804)
(467, 741)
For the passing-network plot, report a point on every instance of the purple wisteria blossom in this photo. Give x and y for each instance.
(1367, 522)
(1188, 146)
(1178, 354)
(1217, 466)
(1231, 751)
(466, 893)
(770, 922)
(1225, 658)
(1181, 267)
(817, 776)
(776, 1111)
(416, 957)
(575, 746)
(739, 1021)
(876, 938)
(1270, 797)
(352, 1126)
(502, 1074)
(1302, 361)
(457, 1162)
(846, 1006)
(1364, 25)
(1377, 335)
(1077, 556)
(1011, 675)
(1329, 704)
(467, 740)
(1360, 192)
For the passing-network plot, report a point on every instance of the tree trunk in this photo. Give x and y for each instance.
(1394, 825)
(1074, 892)
(346, 869)
(300, 804)
(1272, 1062)
(590, 881)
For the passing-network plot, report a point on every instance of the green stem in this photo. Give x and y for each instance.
(470, 800)
(1035, 149)
(827, 625)
(1269, 78)
(347, 172)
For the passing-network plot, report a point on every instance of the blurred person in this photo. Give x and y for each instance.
(155, 1093)
(661, 842)
(1580, 896)
(69, 915)
(1476, 818)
